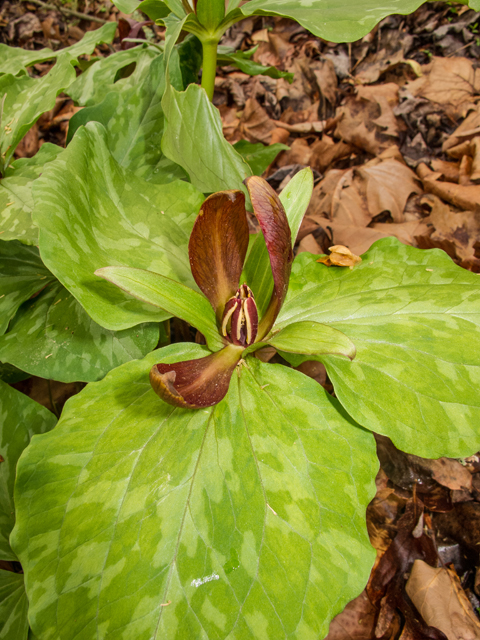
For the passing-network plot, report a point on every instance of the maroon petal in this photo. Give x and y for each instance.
(218, 246)
(273, 222)
(194, 384)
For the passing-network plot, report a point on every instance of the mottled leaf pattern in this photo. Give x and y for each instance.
(16, 199)
(22, 274)
(13, 606)
(53, 337)
(14, 59)
(92, 213)
(246, 520)
(336, 20)
(194, 139)
(133, 119)
(414, 318)
(26, 99)
(20, 419)
(93, 85)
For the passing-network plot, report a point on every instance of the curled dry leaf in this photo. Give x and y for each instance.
(468, 129)
(465, 197)
(441, 601)
(340, 256)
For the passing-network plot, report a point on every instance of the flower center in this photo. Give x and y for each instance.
(240, 317)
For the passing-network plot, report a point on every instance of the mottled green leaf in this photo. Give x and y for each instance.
(100, 79)
(14, 59)
(20, 419)
(92, 213)
(154, 9)
(257, 272)
(243, 61)
(336, 20)
(13, 606)
(53, 337)
(26, 99)
(133, 119)
(258, 156)
(414, 318)
(22, 274)
(10, 374)
(246, 520)
(169, 295)
(16, 199)
(194, 139)
(312, 338)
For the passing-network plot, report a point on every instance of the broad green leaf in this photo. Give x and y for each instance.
(473, 4)
(16, 199)
(246, 520)
(190, 59)
(171, 296)
(21, 418)
(194, 139)
(126, 6)
(312, 338)
(242, 60)
(22, 274)
(258, 156)
(13, 606)
(26, 99)
(10, 374)
(53, 337)
(210, 13)
(14, 60)
(257, 272)
(133, 119)
(154, 9)
(337, 20)
(414, 318)
(92, 213)
(101, 78)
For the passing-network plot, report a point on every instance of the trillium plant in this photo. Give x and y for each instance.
(197, 485)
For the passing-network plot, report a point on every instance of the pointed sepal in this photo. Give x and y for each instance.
(313, 338)
(194, 384)
(218, 246)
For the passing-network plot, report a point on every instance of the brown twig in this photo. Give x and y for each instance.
(68, 12)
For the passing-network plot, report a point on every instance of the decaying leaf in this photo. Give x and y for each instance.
(441, 601)
(340, 256)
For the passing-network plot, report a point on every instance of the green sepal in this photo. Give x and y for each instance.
(312, 338)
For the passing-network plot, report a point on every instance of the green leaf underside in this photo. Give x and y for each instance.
(414, 318)
(242, 60)
(53, 337)
(258, 156)
(246, 520)
(99, 79)
(174, 298)
(257, 272)
(21, 418)
(16, 199)
(15, 59)
(27, 98)
(313, 338)
(92, 213)
(337, 20)
(194, 139)
(13, 606)
(22, 274)
(133, 119)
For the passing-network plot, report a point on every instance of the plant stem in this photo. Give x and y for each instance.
(209, 68)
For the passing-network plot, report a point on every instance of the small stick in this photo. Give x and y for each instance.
(68, 12)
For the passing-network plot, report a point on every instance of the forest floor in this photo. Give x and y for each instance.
(391, 128)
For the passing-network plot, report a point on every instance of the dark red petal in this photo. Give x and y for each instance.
(218, 246)
(274, 225)
(194, 384)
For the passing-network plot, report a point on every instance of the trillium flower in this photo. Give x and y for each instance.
(217, 249)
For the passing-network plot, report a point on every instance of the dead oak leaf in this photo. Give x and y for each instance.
(340, 256)
(439, 598)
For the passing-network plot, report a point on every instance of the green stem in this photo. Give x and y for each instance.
(209, 69)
